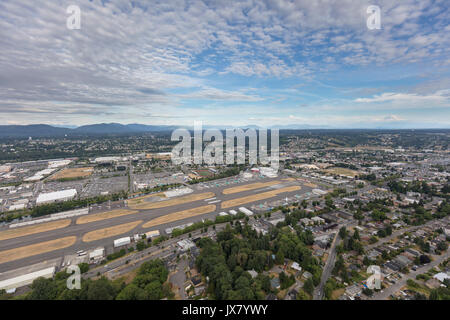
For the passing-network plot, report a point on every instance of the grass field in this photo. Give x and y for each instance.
(251, 186)
(38, 228)
(257, 197)
(342, 171)
(172, 202)
(73, 173)
(180, 215)
(35, 249)
(105, 215)
(110, 231)
(142, 199)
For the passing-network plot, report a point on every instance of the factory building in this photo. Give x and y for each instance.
(51, 197)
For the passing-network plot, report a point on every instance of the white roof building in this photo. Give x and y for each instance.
(62, 195)
(26, 279)
(441, 276)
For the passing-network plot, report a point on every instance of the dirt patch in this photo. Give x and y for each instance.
(311, 185)
(180, 215)
(105, 215)
(142, 199)
(38, 228)
(110, 231)
(257, 197)
(173, 202)
(342, 171)
(35, 249)
(73, 173)
(251, 186)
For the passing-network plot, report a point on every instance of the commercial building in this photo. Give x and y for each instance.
(122, 242)
(62, 195)
(26, 279)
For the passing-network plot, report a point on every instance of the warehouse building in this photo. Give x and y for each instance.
(26, 279)
(51, 197)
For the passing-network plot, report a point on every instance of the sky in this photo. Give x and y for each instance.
(312, 63)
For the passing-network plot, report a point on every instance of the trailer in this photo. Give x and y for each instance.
(245, 211)
(122, 242)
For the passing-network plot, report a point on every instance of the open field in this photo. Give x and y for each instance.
(311, 185)
(342, 171)
(257, 197)
(73, 173)
(173, 202)
(180, 215)
(105, 215)
(251, 186)
(38, 228)
(139, 200)
(111, 231)
(35, 249)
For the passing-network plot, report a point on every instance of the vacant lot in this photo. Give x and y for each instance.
(180, 215)
(142, 199)
(342, 171)
(111, 231)
(35, 249)
(257, 197)
(38, 228)
(73, 173)
(105, 215)
(172, 202)
(251, 186)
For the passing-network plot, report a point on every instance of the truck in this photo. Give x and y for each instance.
(122, 242)
(245, 211)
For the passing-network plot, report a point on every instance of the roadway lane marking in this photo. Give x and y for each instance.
(33, 229)
(35, 249)
(180, 215)
(110, 231)
(258, 197)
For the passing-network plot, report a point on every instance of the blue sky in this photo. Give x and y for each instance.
(264, 62)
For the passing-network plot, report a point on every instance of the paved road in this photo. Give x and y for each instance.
(412, 275)
(146, 215)
(397, 233)
(329, 265)
(120, 266)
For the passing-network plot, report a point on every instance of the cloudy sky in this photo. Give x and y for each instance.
(262, 62)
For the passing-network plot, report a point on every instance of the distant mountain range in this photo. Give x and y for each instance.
(43, 130)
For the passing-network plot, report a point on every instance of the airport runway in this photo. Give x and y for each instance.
(145, 215)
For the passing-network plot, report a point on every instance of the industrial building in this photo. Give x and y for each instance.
(50, 197)
(26, 279)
